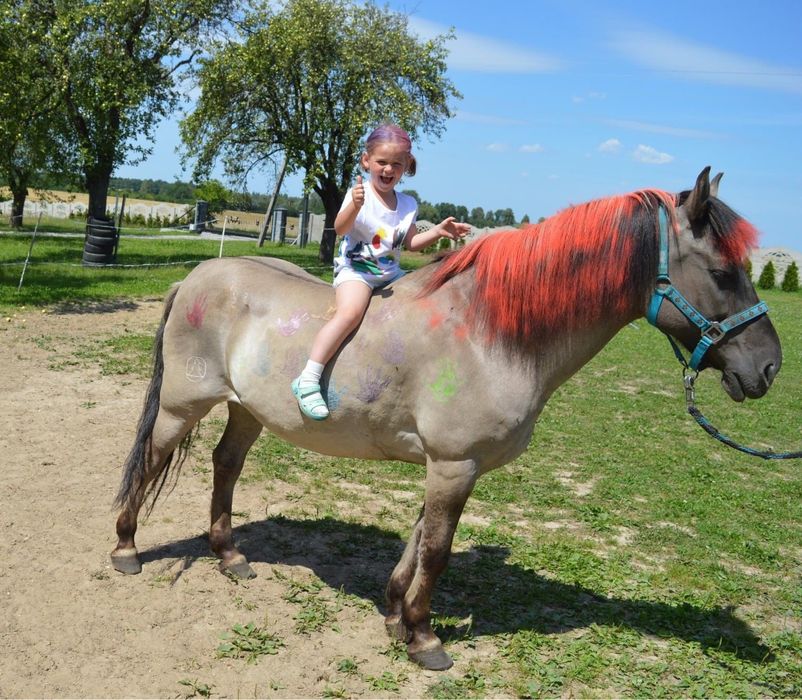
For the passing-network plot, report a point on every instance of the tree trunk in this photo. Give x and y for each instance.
(97, 185)
(332, 201)
(18, 184)
(17, 207)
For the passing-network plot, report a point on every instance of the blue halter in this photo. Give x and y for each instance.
(712, 331)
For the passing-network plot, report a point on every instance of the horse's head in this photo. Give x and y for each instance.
(705, 263)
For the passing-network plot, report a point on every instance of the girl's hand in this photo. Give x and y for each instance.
(358, 193)
(453, 229)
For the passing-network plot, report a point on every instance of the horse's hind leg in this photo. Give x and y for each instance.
(169, 429)
(399, 583)
(448, 485)
(228, 457)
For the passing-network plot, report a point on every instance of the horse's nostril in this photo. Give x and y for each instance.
(770, 371)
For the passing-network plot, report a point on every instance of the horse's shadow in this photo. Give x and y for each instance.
(480, 584)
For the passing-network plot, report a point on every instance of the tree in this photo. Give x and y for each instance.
(477, 217)
(31, 128)
(307, 81)
(115, 66)
(766, 280)
(214, 194)
(790, 281)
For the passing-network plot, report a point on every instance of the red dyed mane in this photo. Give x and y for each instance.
(588, 261)
(567, 271)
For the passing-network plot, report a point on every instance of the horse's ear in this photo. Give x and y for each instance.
(714, 185)
(696, 204)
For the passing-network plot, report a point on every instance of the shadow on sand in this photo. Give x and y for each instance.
(500, 597)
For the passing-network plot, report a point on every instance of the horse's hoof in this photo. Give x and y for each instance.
(396, 629)
(238, 567)
(434, 659)
(126, 561)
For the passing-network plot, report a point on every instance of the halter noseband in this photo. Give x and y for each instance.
(712, 331)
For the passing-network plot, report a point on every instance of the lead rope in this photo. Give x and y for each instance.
(689, 378)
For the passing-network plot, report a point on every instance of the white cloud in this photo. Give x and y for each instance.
(531, 148)
(474, 52)
(593, 95)
(497, 147)
(661, 129)
(610, 146)
(692, 61)
(647, 154)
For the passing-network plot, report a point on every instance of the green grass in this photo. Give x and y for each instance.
(55, 274)
(248, 642)
(624, 554)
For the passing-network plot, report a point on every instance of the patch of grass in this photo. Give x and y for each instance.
(196, 688)
(248, 642)
(145, 267)
(315, 610)
(387, 682)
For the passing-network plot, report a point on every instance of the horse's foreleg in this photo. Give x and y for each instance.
(228, 457)
(168, 431)
(448, 485)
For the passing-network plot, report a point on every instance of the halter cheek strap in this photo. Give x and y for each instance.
(711, 331)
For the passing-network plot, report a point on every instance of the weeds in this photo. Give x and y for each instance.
(248, 642)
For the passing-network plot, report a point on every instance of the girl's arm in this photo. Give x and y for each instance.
(347, 215)
(447, 228)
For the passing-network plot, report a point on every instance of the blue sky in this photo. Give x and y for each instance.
(569, 100)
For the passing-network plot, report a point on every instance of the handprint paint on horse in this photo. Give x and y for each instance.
(450, 368)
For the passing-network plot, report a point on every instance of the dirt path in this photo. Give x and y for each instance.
(73, 627)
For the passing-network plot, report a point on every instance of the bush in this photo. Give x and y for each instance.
(790, 281)
(748, 268)
(766, 280)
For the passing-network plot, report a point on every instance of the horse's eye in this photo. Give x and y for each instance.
(725, 279)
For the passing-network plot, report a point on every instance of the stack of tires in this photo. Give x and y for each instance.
(100, 244)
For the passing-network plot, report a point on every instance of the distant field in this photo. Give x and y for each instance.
(77, 201)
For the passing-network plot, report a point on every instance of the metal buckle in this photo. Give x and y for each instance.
(689, 378)
(714, 333)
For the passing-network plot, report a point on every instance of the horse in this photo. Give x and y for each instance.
(451, 365)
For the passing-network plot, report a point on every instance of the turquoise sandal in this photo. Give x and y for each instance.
(309, 399)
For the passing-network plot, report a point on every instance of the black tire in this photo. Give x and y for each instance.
(98, 258)
(100, 227)
(98, 249)
(101, 231)
(100, 241)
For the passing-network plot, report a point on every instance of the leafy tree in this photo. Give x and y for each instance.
(748, 268)
(766, 280)
(790, 281)
(477, 217)
(307, 80)
(30, 126)
(505, 217)
(115, 67)
(214, 194)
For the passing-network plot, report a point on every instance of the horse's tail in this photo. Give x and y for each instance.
(136, 465)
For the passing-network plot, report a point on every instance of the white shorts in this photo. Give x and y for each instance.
(348, 274)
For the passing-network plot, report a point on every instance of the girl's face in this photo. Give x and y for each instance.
(386, 165)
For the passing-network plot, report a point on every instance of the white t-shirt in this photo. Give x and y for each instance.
(372, 248)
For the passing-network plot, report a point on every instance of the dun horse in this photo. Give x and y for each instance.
(450, 367)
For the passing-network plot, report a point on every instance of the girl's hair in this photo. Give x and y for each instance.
(390, 133)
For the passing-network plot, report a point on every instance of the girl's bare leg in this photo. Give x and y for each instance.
(352, 299)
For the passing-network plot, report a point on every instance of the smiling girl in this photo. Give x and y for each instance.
(374, 221)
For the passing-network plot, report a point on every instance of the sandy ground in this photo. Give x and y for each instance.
(73, 627)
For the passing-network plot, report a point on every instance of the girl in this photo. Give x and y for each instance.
(374, 221)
